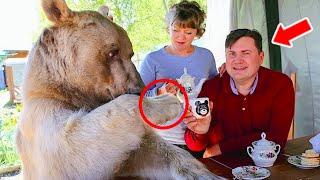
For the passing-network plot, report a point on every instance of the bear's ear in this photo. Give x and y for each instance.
(57, 11)
(104, 11)
(197, 103)
(206, 102)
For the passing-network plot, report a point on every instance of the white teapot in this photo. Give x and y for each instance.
(264, 153)
(187, 82)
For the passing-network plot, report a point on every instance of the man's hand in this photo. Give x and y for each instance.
(212, 151)
(199, 126)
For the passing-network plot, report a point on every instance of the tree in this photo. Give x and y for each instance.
(142, 19)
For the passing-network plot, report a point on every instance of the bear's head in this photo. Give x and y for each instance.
(82, 60)
(202, 108)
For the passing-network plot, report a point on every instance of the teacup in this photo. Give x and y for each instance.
(200, 107)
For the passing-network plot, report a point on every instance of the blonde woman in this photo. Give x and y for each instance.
(185, 23)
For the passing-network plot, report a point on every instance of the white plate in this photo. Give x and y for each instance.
(296, 160)
(250, 172)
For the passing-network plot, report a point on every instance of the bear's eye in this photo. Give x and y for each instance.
(113, 53)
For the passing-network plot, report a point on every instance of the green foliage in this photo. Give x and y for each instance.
(142, 19)
(148, 29)
(8, 121)
(8, 154)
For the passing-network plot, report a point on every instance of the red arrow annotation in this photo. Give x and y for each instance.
(285, 36)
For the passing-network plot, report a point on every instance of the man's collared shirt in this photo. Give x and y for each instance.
(251, 90)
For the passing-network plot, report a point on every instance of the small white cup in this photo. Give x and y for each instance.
(200, 107)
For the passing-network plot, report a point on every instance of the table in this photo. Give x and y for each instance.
(222, 165)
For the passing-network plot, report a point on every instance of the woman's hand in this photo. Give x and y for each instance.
(199, 126)
(222, 69)
(168, 88)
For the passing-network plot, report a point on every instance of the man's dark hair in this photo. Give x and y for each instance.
(235, 35)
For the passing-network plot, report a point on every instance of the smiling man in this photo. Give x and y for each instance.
(246, 101)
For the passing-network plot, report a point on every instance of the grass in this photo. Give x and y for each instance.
(9, 115)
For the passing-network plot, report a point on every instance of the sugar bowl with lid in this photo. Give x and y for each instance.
(263, 153)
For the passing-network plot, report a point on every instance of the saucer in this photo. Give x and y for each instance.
(296, 161)
(250, 172)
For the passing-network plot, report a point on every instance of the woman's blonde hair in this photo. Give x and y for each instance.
(187, 14)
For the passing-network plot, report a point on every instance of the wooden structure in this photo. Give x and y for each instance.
(11, 76)
(293, 78)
